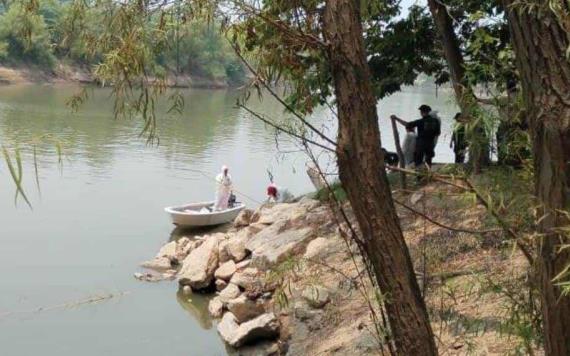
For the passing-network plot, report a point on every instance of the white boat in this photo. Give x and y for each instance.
(202, 214)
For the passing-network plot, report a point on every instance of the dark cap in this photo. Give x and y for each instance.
(425, 108)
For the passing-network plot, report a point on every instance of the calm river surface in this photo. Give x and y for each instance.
(99, 213)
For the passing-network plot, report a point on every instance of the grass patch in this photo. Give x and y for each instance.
(337, 190)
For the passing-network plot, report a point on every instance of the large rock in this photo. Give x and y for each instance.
(248, 279)
(272, 214)
(245, 309)
(308, 203)
(273, 245)
(230, 292)
(223, 254)
(183, 248)
(216, 307)
(220, 284)
(160, 264)
(316, 296)
(263, 327)
(317, 248)
(226, 271)
(168, 250)
(244, 218)
(227, 328)
(243, 264)
(304, 312)
(258, 239)
(199, 267)
(234, 248)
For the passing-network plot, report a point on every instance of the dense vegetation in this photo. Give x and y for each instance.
(50, 36)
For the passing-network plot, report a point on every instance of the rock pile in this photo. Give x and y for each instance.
(235, 263)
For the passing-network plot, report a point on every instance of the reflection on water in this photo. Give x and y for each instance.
(197, 306)
(102, 214)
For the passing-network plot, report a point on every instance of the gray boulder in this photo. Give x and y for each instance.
(316, 296)
(220, 284)
(248, 279)
(244, 218)
(275, 244)
(235, 247)
(216, 307)
(317, 248)
(223, 254)
(243, 264)
(199, 267)
(226, 271)
(183, 247)
(230, 292)
(263, 327)
(245, 309)
(168, 250)
(160, 264)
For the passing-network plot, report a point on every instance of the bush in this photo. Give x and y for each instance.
(26, 37)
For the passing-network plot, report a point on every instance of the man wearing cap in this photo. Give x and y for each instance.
(429, 128)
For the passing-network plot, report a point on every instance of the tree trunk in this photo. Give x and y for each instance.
(362, 173)
(479, 145)
(540, 42)
(400, 153)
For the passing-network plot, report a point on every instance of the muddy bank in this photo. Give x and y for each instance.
(66, 74)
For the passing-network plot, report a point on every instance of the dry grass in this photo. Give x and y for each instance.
(469, 314)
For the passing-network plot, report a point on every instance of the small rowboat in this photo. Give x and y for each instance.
(202, 214)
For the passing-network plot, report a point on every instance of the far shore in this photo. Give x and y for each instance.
(64, 74)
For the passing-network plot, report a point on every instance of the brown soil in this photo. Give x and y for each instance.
(465, 272)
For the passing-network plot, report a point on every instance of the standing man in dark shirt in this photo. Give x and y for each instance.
(428, 130)
(458, 142)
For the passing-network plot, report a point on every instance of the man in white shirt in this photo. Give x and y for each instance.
(409, 146)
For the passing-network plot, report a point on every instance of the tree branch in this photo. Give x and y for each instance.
(278, 98)
(286, 131)
(446, 226)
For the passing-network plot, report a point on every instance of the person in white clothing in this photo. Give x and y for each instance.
(409, 146)
(223, 189)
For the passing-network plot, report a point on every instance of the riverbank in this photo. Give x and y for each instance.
(66, 74)
(283, 277)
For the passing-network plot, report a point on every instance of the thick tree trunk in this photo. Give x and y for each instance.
(479, 148)
(453, 55)
(362, 173)
(540, 42)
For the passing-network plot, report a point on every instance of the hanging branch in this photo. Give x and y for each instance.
(284, 130)
(278, 98)
(476, 232)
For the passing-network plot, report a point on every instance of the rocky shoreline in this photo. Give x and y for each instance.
(283, 281)
(241, 268)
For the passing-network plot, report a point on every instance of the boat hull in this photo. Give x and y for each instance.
(190, 216)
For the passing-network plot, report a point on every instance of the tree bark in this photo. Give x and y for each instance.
(540, 41)
(363, 176)
(479, 150)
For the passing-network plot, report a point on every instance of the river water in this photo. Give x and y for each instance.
(98, 212)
